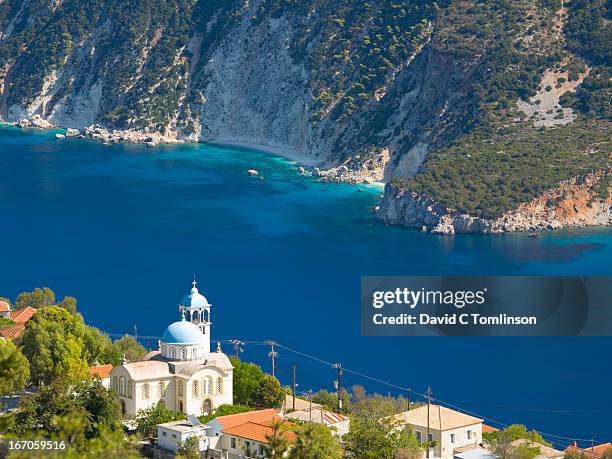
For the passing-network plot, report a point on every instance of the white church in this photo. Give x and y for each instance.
(183, 374)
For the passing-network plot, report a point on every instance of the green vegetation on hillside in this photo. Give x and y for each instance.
(487, 175)
(503, 160)
(589, 35)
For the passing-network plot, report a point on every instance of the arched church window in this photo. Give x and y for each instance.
(219, 385)
(194, 353)
(122, 386)
(205, 316)
(209, 384)
(160, 389)
(173, 353)
(145, 391)
(180, 388)
(194, 388)
(129, 389)
(184, 354)
(115, 385)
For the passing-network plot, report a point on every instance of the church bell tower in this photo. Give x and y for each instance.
(196, 309)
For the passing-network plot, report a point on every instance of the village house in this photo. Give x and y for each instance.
(183, 374)
(20, 317)
(170, 435)
(103, 373)
(244, 434)
(450, 429)
(590, 452)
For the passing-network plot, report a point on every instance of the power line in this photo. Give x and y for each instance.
(380, 381)
(238, 346)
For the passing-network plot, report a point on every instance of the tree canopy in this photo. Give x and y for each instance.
(254, 388)
(14, 368)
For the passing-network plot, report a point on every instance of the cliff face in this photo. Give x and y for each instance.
(447, 95)
(582, 201)
(313, 78)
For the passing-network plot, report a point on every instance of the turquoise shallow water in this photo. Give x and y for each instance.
(124, 227)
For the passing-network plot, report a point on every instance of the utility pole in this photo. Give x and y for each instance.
(293, 387)
(428, 402)
(272, 354)
(237, 347)
(310, 404)
(338, 385)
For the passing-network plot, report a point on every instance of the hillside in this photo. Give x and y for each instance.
(474, 106)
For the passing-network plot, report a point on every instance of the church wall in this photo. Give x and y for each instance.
(194, 405)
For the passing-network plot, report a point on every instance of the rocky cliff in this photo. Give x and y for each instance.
(579, 202)
(367, 91)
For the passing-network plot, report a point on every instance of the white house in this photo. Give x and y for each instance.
(183, 375)
(171, 435)
(450, 429)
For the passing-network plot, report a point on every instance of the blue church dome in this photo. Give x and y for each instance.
(194, 299)
(182, 332)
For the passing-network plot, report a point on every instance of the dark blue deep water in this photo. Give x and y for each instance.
(124, 228)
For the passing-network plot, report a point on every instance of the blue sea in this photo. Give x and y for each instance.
(124, 228)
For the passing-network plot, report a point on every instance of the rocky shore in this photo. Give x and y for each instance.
(575, 203)
(104, 135)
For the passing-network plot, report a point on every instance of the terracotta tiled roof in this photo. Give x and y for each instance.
(260, 416)
(12, 332)
(21, 316)
(488, 429)
(595, 452)
(600, 449)
(4, 306)
(440, 418)
(101, 371)
(257, 432)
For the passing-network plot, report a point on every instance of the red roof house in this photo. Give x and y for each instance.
(12, 332)
(21, 316)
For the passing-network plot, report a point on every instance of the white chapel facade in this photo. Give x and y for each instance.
(183, 374)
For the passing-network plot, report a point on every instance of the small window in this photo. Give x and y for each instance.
(233, 443)
(173, 353)
(194, 389)
(219, 385)
(145, 391)
(184, 354)
(164, 434)
(130, 386)
(430, 437)
(418, 435)
(469, 434)
(452, 438)
(160, 389)
(180, 388)
(173, 435)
